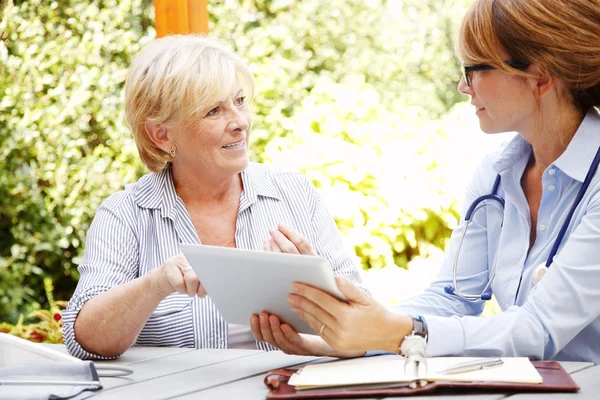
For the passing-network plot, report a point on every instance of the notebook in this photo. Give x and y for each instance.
(555, 379)
(390, 369)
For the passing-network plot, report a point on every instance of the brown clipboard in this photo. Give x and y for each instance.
(556, 379)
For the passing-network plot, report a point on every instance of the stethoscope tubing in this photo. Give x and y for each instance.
(486, 293)
(586, 183)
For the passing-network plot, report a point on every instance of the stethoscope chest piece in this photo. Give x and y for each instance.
(539, 273)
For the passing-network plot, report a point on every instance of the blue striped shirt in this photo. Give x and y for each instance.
(139, 228)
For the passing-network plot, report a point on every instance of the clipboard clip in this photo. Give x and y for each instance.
(413, 350)
(276, 377)
(417, 364)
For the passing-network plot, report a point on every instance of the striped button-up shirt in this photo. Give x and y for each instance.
(139, 228)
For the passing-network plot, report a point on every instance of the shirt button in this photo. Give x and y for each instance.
(542, 227)
(552, 171)
(550, 187)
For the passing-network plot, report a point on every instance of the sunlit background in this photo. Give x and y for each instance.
(359, 95)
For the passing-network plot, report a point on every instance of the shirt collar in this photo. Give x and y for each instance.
(513, 152)
(157, 191)
(577, 158)
(257, 181)
(575, 161)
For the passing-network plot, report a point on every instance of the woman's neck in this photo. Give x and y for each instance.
(552, 135)
(205, 189)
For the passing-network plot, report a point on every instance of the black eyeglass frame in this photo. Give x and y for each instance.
(485, 67)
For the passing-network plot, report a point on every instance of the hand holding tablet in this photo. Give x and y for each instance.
(245, 282)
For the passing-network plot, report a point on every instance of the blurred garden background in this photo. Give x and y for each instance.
(359, 95)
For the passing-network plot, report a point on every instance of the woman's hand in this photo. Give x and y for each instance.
(361, 324)
(268, 328)
(177, 275)
(285, 239)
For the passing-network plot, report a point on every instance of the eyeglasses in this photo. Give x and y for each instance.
(469, 69)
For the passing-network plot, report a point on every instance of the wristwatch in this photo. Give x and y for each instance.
(420, 327)
(415, 343)
(414, 350)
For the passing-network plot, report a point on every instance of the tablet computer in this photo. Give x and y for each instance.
(245, 282)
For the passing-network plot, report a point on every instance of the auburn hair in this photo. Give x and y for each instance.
(561, 36)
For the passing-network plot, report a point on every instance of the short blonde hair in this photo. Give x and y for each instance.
(177, 78)
(562, 36)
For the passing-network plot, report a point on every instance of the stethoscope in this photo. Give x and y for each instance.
(541, 269)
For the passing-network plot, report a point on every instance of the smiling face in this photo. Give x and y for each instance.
(215, 143)
(503, 102)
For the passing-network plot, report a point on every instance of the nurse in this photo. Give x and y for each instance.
(532, 208)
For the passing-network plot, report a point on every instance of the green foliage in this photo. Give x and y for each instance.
(64, 146)
(344, 92)
(381, 172)
(403, 48)
(47, 324)
(350, 92)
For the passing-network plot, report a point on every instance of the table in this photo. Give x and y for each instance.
(175, 373)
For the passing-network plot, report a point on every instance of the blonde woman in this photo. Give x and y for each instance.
(532, 208)
(187, 106)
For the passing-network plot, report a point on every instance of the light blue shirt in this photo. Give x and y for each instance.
(560, 317)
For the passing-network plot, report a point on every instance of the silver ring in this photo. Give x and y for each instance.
(322, 329)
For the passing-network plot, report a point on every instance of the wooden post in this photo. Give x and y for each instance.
(180, 16)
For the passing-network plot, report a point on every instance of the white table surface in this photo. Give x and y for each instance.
(174, 373)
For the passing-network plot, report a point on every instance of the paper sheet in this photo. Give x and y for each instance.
(390, 368)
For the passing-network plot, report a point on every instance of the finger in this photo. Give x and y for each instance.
(291, 335)
(274, 247)
(201, 292)
(267, 244)
(313, 345)
(282, 342)
(297, 239)
(325, 301)
(192, 287)
(283, 242)
(182, 264)
(352, 292)
(265, 329)
(308, 310)
(255, 328)
(329, 331)
(192, 284)
(175, 279)
(180, 258)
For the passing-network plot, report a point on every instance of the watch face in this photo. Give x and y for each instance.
(413, 345)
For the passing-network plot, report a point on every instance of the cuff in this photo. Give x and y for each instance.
(446, 336)
(70, 315)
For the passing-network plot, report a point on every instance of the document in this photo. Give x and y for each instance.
(390, 369)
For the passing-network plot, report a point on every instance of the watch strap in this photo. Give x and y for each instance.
(420, 327)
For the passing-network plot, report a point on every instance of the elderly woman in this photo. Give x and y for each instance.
(187, 105)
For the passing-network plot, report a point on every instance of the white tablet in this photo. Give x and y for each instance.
(246, 282)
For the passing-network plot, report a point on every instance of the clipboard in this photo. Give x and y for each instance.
(555, 379)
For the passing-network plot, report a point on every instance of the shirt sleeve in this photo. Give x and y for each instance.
(110, 259)
(328, 242)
